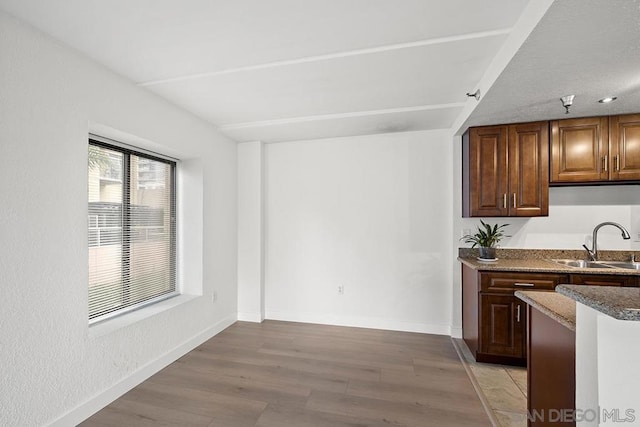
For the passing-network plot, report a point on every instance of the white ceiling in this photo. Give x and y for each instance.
(286, 70)
(586, 48)
(283, 70)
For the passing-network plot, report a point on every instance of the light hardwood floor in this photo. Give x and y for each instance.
(297, 374)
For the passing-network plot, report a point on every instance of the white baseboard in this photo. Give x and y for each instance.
(102, 399)
(456, 332)
(250, 317)
(361, 322)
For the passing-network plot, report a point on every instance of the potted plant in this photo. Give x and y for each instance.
(487, 238)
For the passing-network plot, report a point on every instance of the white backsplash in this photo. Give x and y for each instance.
(635, 225)
(573, 213)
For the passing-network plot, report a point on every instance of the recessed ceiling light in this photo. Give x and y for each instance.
(607, 99)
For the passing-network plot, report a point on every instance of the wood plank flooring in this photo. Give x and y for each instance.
(304, 375)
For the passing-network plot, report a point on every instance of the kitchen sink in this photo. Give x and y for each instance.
(581, 263)
(622, 264)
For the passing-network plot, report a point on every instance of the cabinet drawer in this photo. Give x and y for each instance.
(603, 280)
(508, 282)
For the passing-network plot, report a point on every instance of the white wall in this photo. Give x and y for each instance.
(54, 367)
(369, 213)
(573, 213)
(250, 232)
(607, 369)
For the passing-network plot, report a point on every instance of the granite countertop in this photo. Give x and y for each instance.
(619, 303)
(539, 261)
(557, 306)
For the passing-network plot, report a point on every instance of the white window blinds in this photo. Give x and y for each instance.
(132, 229)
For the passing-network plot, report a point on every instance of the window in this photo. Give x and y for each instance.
(132, 229)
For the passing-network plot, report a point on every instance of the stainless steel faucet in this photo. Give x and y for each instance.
(593, 252)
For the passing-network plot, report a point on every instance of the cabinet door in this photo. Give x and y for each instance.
(529, 169)
(625, 147)
(488, 179)
(603, 280)
(502, 325)
(579, 150)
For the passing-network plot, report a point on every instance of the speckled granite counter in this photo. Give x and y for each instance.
(557, 306)
(541, 254)
(539, 261)
(619, 303)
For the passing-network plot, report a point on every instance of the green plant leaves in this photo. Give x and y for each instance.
(487, 236)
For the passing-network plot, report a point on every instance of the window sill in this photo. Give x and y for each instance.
(111, 325)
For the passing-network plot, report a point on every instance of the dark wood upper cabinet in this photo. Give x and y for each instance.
(506, 170)
(579, 149)
(595, 149)
(529, 169)
(625, 147)
(485, 174)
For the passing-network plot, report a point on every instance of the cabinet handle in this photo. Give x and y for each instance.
(504, 201)
(524, 284)
(618, 163)
(514, 200)
(518, 313)
(605, 163)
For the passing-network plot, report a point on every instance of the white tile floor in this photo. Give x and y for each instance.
(502, 388)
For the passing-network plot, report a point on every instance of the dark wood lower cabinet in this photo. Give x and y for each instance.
(500, 328)
(502, 325)
(494, 320)
(551, 367)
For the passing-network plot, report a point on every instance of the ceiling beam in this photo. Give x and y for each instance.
(330, 56)
(265, 123)
(532, 14)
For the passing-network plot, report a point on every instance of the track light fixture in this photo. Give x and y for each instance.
(475, 95)
(567, 101)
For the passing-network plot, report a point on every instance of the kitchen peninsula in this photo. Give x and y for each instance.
(607, 348)
(583, 343)
(551, 358)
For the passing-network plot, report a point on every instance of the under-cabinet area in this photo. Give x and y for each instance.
(507, 169)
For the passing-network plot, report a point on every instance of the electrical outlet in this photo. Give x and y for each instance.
(341, 290)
